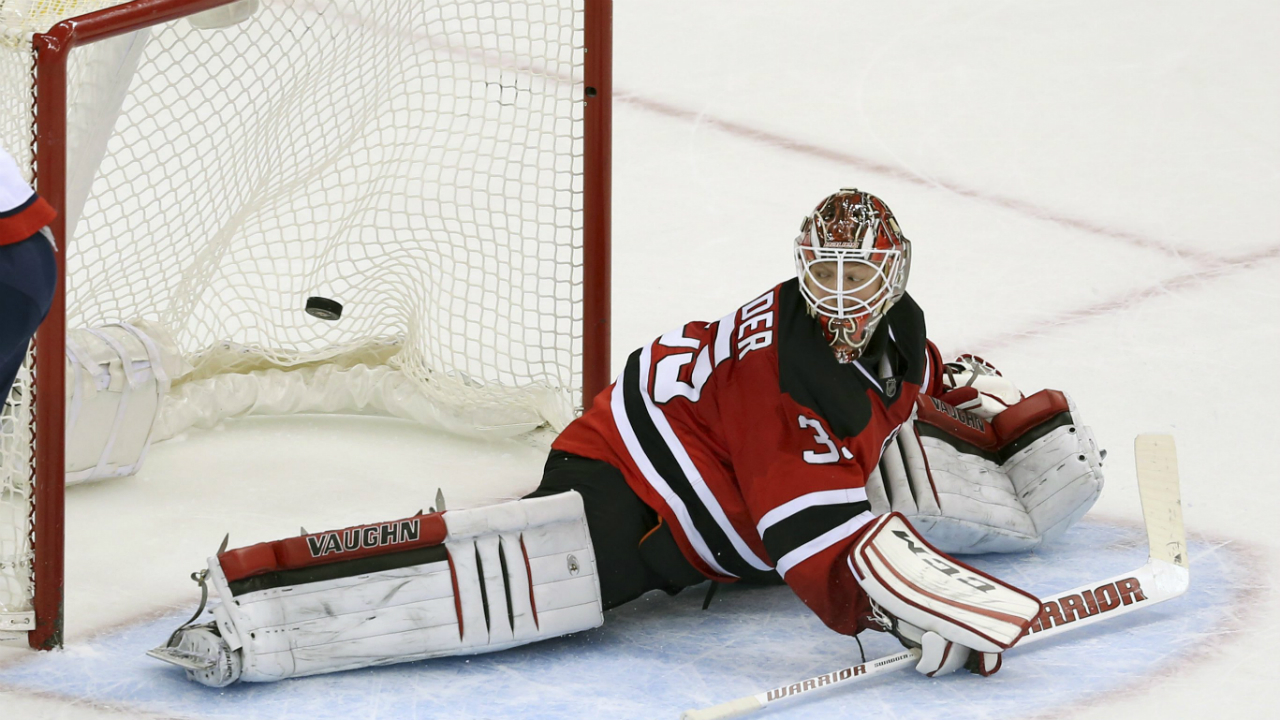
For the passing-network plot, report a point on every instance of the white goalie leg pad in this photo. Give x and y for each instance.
(961, 502)
(556, 592)
(901, 481)
(964, 490)
(453, 583)
(926, 591)
(978, 509)
(1058, 477)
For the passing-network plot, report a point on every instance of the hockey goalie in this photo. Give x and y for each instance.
(812, 437)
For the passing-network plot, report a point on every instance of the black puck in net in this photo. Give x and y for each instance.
(324, 308)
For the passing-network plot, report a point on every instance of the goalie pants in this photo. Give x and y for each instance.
(635, 551)
(28, 276)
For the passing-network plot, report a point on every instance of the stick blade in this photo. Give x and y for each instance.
(1157, 464)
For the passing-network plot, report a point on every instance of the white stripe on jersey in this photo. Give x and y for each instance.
(691, 473)
(822, 542)
(651, 474)
(724, 337)
(823, 497)
(874, 381)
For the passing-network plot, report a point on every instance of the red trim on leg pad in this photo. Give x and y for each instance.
(529, 570)
(457, 599)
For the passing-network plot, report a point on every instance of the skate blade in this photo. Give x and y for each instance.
(181, 658)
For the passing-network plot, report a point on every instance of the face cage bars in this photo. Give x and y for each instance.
(889, 287)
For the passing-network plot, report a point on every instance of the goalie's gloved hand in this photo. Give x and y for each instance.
(978, 387)
(940, 656)
(956, 615)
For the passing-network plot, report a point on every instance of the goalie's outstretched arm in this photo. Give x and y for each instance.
(1166, 575)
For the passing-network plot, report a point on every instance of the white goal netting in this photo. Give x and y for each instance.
(419, 162)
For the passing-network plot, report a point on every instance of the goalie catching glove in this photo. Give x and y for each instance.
(956, 615)
(460, 582)
(978, 387)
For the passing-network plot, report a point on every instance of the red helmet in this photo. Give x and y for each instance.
(853, 262)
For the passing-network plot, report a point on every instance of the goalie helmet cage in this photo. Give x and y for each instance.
(513, 177)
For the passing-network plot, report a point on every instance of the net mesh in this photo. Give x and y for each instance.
(420, 163)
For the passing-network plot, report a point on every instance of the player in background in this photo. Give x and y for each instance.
(801, 438)
(28, 268)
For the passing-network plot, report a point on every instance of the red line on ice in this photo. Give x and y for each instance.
(1021, 207)
(1129, 299)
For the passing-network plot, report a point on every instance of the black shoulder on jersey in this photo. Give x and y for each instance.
(809, 373)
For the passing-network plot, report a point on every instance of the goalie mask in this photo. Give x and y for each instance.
(852, 261)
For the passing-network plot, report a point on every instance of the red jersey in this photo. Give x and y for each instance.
(749, 438)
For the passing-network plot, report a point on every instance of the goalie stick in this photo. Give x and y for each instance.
(1165, 576)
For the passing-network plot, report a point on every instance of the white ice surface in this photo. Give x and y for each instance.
(659, 656)
(1090, 187)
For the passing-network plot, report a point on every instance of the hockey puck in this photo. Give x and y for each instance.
(324, 308)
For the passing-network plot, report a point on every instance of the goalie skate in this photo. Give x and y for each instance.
(203, 653)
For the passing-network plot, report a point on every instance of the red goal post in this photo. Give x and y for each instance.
(590, 230)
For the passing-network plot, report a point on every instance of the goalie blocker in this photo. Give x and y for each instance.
(450, 583)
(956, 615)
